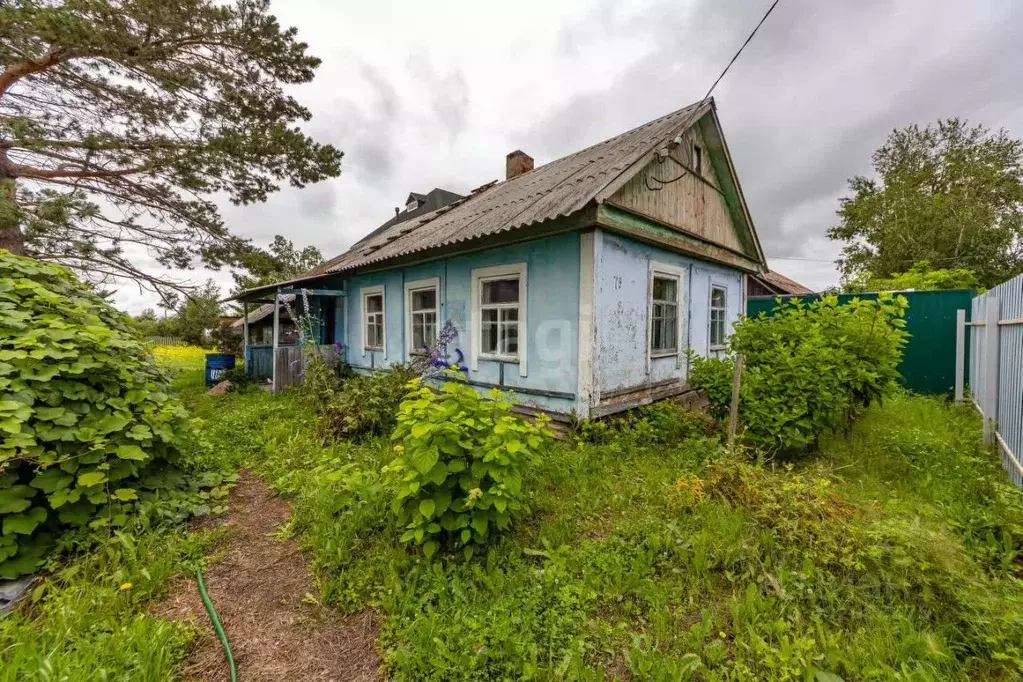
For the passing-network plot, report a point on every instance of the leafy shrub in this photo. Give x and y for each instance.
(87, 419)
(807, 369)
(460, 459)
(364, 405)
(660, 423)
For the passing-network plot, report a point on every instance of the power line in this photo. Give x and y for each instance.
(699, 105)
(743, 47)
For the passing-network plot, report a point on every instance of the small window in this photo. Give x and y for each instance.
(718, 306)
(373, 307)
(697, 159)
(664, 315)
(412, 205)
(423, 318)
(499, 318)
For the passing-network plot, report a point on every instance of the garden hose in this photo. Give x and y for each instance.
(221, 635)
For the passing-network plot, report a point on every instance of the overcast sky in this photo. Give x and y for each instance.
(423, 95)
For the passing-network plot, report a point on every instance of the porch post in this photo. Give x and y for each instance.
(245, 337)
(277, 336)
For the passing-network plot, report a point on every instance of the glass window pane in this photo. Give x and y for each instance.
(665, 289)
(418, 333)
(717, 298)
(375, 303)
(424, 299)
(509, 314)
(510, 332)
(501, 291)
(488, 337)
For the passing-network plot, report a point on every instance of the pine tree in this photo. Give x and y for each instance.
(120, 119)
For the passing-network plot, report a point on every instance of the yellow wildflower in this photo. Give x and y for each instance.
(125, 587)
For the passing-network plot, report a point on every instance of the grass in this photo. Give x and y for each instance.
(89, 619)
(891, 554)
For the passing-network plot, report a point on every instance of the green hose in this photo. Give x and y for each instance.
(221, 635)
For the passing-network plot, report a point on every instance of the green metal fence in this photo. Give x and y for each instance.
(929, 358)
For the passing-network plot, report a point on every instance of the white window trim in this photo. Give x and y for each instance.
(480, 275)
(363, 293)
(665, 270)
(413, 286)
(711, 347)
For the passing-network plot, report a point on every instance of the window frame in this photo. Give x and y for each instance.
(710, 317)
(498, 272)
(365, 293)
(677, 273)
(411, 288)
(698, 159)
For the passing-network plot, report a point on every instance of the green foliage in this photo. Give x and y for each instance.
(280, 262)
(950, 194)
(460, 461)
(88, 421)
(364, 405)
(128, 118)
(226, 339)
(920, 277)
(666, 560)
(89, 620)
(659, 423)
(198, 315)
(808, 369)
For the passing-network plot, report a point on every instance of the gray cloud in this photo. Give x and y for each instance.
(438, 101)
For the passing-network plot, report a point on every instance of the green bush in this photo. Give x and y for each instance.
(89, 426)
(809, 368)
(461, 457)
(365, 405)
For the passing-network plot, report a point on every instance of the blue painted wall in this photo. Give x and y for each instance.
(552, 314)
(622, 267)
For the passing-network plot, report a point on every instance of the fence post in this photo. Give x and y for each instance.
(733, 410)
(960, 354)
(991, 346)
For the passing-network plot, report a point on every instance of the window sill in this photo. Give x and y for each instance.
(664, 354)
(714, 349)
(378, 349)
(511, 360)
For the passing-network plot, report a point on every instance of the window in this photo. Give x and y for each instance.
(718, 306)
(499, 314)
(421, 302)
(373, 330)
(499, 317)
(412, 205)
(664, 315)
(697, 159)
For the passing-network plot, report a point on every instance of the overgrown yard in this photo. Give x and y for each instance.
(892, 553)
(646, 553)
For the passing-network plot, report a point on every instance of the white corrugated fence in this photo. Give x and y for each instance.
(996, 370)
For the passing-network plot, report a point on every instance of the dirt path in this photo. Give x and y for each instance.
(258, 590)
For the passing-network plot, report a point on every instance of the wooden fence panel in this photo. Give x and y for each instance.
(291, 362)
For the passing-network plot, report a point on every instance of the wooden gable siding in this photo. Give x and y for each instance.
(692, 204)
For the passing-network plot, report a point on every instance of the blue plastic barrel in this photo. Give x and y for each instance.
(217, 365)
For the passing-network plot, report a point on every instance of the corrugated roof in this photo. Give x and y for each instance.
(787, 285)
(264, 310)
(556, 189)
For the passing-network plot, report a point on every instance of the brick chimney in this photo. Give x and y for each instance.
(517, 163)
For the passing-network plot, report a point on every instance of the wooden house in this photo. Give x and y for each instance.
(579, 284)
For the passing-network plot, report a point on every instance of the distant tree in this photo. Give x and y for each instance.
(120, 119)
(950, 194)
(280, 262)
(921, 277)
(198, 315)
